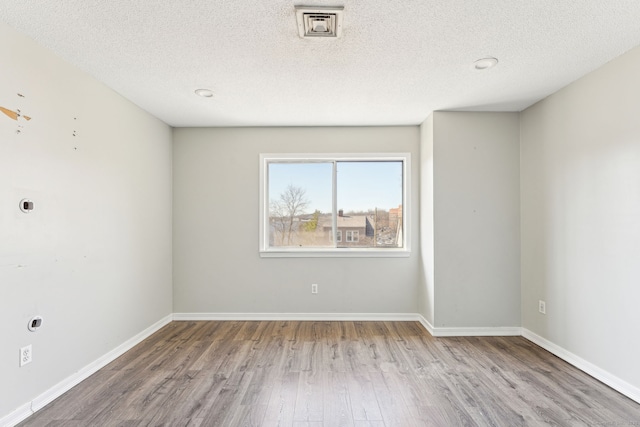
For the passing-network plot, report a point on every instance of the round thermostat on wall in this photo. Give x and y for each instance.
(26, 205)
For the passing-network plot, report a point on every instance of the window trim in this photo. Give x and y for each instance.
(266, 252)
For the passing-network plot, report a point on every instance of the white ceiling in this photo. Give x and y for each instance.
(396, 62)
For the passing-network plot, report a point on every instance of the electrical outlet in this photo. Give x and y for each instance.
(542, 307)
(26, 355)
(314, 288)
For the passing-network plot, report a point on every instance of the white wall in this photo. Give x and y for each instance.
(476, 216)
(581, 218)
(94, 257)
(217, 267)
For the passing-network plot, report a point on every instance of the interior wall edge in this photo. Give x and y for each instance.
(26, 410)
(589, 368)
(321, 317)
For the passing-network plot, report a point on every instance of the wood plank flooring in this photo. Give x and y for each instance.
(312, 374)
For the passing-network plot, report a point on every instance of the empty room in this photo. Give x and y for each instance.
(276, 213)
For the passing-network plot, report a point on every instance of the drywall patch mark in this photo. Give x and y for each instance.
(75, 134)
(15, 115)
(9, 113)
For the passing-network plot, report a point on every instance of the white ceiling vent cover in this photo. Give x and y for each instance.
(319, 21)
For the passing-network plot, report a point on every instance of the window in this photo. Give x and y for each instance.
(334, 205)
(352, 235)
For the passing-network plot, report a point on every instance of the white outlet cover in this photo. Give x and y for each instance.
(26, 355)
(542, 307)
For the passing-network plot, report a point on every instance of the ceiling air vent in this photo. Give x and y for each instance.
(319, 21)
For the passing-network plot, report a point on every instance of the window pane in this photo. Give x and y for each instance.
(329, 204)
(300, 204)
(369, 207)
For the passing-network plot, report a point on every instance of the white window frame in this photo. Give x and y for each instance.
(386, 252)
(339, 236)
(353, 236)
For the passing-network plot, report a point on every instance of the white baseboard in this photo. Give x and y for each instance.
(26, 410)
(48, 396)
(502, 331)
(506, 331)
(425, 323)
(17, 416)
(600, 374)
(388, 317)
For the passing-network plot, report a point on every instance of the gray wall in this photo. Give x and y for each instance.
(476, 217)
(217, 267)
(94, 257)
(99, 244)
(426, 277)
(581, 217)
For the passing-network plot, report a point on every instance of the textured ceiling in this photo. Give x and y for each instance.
(396, 62)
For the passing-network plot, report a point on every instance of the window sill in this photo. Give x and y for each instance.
(330, 253)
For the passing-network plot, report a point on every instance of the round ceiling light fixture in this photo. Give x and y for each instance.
(205, 93)
(485, 63)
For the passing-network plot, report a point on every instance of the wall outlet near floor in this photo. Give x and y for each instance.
(314, 288)
(26, 355)
(542, 307)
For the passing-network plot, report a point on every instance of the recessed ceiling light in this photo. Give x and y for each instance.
(485, 63)
(205, 93)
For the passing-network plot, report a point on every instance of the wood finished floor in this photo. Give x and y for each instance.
(335, 374)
